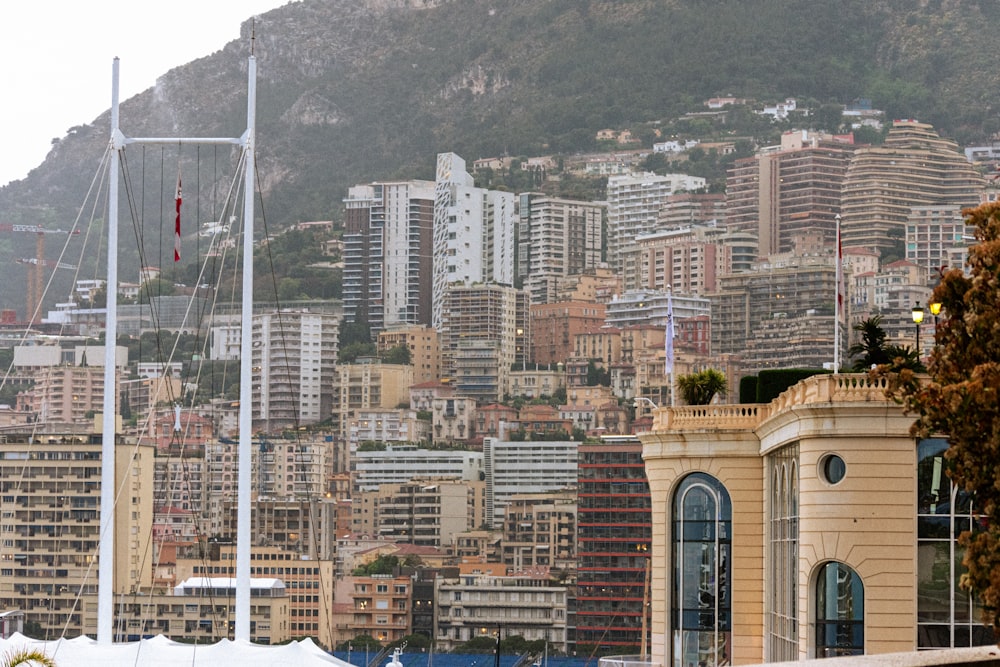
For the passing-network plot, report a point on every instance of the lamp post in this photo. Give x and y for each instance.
(935, 307)
(918, 317)
(642, 399)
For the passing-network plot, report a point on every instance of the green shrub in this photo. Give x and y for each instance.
(772, 382)
(748, 389)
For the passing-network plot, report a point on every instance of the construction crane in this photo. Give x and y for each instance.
(45, 262)
(36, 272)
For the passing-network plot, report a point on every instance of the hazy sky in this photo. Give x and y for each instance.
(55, 60)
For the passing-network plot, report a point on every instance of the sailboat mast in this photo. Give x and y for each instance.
(105, 595)
(106, 552)
(242, 631)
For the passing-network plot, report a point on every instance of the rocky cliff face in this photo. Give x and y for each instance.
(352, 91)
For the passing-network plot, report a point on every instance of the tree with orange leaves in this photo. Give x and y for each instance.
(961, 398)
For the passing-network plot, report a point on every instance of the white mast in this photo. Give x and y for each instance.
(246, 368)
(105, 606)
(106, 563)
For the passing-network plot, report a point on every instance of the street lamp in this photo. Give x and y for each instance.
(643, 399)
(918, 317)
(935, 307)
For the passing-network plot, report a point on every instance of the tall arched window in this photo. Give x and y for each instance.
(702, 572)
(840, 611)
(783, 565)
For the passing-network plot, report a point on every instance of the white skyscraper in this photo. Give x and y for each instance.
(634, 202)
(473, 232)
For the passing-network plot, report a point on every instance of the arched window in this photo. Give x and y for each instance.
(783, 556)
(840, 611)
(702, 572)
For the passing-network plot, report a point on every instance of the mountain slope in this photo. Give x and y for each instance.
(352, 91)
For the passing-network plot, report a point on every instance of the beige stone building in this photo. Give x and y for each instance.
(368, 384)
(308, 582)
(525, 603)
(790, 530)
(424, 347)
(50, 490)
(539, 530)
(200, 610)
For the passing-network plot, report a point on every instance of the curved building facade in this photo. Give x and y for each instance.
(809, 527)
(914, 167)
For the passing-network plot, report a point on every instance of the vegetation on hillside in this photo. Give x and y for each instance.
(351, 92)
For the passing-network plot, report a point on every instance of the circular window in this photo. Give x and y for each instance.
(832, 468)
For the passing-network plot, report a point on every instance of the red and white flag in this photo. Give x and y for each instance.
(177, 221)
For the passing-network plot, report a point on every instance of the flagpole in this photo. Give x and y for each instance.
(669, 346)
(836, 301)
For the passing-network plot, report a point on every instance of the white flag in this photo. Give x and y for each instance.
(669, 366)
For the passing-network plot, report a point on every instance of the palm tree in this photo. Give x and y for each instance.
(701, 387)
(870, 350)
(26, 656)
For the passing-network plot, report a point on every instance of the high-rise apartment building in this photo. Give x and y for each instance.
(634, 204)
(935, 234)
(554, 327)
(539, 530)
(530, 466)
(485, 330)
(400, 465)
(291, 469)
(474, 232)
(50, 503)
(615, 531)
(368, 384)
(790, 188)
(388, 241)
(780, 314)
(687, 209)
(556, 237)
(292, 372)
(687, 260)
(914, 167)
(428, 513)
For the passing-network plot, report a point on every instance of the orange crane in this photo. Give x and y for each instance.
(36, 272)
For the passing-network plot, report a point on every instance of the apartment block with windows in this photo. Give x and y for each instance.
(913, 167)
(381, 607)
(539, 530)
(388, 250)
(525, 604)
(50, 493)
(556, 237)
(615, 532)
(308, 583)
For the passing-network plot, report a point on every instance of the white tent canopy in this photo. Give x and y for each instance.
(162, 652)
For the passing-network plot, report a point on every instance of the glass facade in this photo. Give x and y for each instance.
(947, 616)
(840, 611)
(783, 555)
(701, 613)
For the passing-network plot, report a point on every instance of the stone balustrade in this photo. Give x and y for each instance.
(841, 388)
